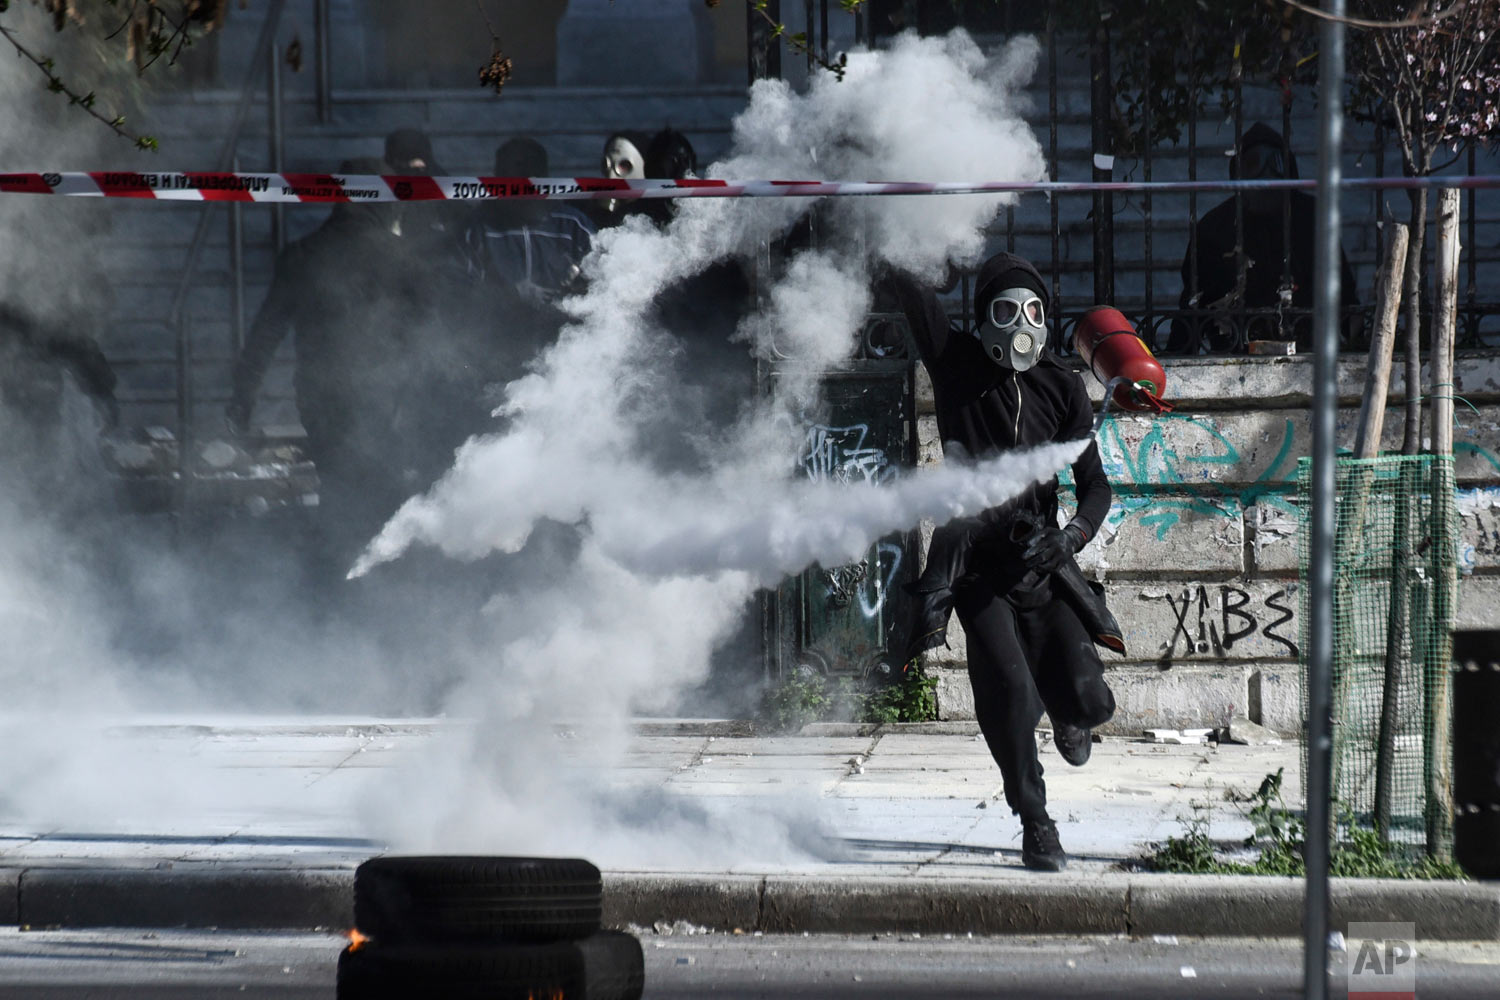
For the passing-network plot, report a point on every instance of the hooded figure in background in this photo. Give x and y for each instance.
(434, 228)
(623, 158)
(533, 247)
(362, 301)
(997, 389)
(1271, 253)
(703, 311)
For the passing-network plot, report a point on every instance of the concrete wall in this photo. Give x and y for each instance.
(1199, 552)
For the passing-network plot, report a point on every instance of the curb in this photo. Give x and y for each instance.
(1134, 905)
(237, 898)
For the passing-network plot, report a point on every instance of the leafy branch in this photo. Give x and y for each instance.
(797, 41)
(86, 101)
(151, 31)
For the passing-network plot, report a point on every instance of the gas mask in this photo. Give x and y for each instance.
(1014, 333)
(622, 161)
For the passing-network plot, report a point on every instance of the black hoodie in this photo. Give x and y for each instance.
(989, 410)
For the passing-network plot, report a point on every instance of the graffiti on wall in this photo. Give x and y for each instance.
(841, 454)
(1208, 620)
(1179, 451)
(865, 584)
(1172, 467)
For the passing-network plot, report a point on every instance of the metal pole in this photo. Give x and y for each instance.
(323, 71)
(237, 274)
(276, 135)
(1320, 567)
(1101, 106)
(764, 51)
(812, 43)
(823, 32)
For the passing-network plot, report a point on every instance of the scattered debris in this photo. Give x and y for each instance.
(1184, 737)
(1188, 972)
(1246, 733)
(1164, 938)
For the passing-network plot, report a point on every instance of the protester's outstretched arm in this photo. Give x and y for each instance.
(924, 314)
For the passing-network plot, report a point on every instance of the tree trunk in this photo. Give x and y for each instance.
(1411, 444)
(1398, 621)
(1438, 703)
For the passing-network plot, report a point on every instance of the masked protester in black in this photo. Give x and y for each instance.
(999, 389)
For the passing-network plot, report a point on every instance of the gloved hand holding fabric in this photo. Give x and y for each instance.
(1051, 548)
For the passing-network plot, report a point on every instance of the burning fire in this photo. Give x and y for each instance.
(356, 939)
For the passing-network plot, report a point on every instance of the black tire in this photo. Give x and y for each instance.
(608, 965)
(478, 900)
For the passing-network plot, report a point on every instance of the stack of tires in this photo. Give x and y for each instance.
(497, 928)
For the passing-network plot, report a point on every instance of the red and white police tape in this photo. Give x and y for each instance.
(322, 188)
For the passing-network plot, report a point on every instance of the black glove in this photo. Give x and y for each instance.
(1051, 548)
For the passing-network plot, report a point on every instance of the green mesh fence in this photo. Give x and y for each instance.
(1395, 580)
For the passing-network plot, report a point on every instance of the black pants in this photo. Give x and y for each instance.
(1021, 659)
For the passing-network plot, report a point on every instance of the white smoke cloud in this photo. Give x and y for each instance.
(668, 560)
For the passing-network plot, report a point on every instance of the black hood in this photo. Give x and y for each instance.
(640, 140)
(1002, 271)
(1261, 134)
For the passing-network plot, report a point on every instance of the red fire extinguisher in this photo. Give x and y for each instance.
(1118, 357)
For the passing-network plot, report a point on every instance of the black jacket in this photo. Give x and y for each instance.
(989, 410)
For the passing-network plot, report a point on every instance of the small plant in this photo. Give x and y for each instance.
(911, 697)
(807, 696)
(799, 699)
(1280, 837)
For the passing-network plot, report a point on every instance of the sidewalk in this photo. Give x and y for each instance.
(912, 817)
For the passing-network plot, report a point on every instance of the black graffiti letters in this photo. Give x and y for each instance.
(1201, 628)
(1233, 601)
(1286, 616)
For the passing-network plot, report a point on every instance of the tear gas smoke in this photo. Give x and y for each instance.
(668, 559)
(665, 558)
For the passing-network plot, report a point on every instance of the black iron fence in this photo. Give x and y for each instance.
(1196, 274)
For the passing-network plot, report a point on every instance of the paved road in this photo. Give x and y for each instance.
(104, 965)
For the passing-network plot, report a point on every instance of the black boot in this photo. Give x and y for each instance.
(1040, 848)
(1073, 742)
